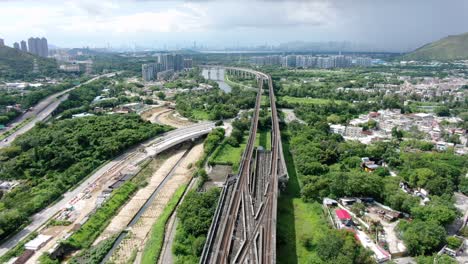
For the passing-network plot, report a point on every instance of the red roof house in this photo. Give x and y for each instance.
(342, 214)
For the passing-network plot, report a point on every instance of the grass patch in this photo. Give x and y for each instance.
(426, 107)
(299, 223)
(263, 139)
(94, 254)
(55, 222)
(244, 84)
(304, 100)
(156, 239)
(200, 114)
(226, 154)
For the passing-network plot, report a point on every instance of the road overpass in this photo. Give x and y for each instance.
(42, 111)
(243, 229)
(131, 158)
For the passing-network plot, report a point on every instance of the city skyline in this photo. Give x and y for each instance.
(378, 25)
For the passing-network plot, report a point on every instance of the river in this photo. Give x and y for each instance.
(218, 76)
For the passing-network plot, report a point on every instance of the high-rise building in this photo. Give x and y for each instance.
(188, 63)
(364, 61)
(149, 71)
(23, 46)
(32, 46)
(178, 62)
(168, 61)
(341, 61)
(301, 61)
(16, 45)
(273, 60)
(257, 60)
(2, 42)
(289, 61)
(325, 62)
(44, 47)
(38, 46)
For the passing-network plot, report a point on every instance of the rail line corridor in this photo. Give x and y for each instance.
(243, 229)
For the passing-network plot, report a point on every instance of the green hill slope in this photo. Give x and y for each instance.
(449, 48)
(15, 64)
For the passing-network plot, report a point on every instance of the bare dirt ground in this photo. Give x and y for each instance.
(166, 116)
(172, 118)
(149, 115)
(291, 116)
(139, 232)
(395, 245)
(217, 176)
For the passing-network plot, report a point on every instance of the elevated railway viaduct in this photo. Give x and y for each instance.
(243, 229)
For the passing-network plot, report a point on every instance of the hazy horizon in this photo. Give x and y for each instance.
(380, 25)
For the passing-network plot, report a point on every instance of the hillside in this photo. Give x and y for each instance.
(15, 64)
(449, 48)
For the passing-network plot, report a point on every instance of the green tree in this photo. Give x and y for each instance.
(161, 95)
(442, 111)
(463, 186)
(423, 238)
(358, 208)
(396, 133)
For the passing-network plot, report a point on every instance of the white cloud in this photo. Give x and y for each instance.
(129, 16)
(68, 22)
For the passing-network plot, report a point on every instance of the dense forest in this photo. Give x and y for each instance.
(51, 158)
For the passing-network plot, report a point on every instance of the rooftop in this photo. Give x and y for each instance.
(342, 214)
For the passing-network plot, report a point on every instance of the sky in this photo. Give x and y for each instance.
(390, 25)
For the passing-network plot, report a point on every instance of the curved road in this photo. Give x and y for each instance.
(42, 111)
(134, 156)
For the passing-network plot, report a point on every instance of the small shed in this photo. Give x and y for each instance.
(329, 202)
(37, 242)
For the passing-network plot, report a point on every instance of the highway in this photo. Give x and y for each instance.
(42, 111)
(132, 157)
(243, 229)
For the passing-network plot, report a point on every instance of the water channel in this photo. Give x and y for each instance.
(218, 76)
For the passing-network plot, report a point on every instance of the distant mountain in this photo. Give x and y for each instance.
(15, 64)
(449, 48)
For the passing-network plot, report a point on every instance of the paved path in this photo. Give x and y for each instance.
(42, 111)
(166, 256)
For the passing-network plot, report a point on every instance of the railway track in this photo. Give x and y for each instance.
(244, 227)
